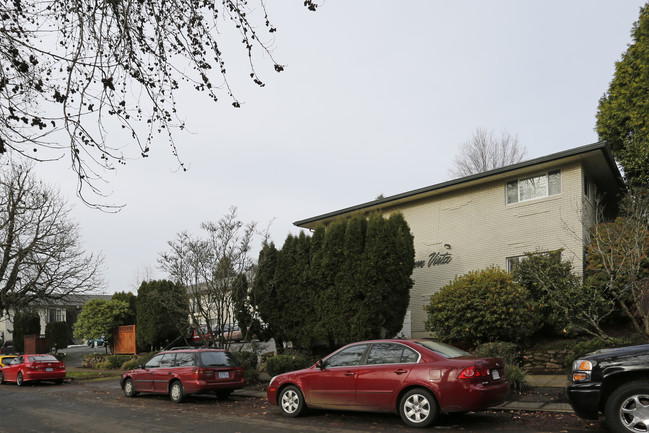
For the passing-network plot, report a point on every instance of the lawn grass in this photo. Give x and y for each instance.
(93, 374)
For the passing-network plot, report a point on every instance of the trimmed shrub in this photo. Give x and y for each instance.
(105, 365)
(284, 363)
(482, 306)
(508, 352)
(518, 378)
(27, 323)
(581, 349)
(56, 334)
(116, 361)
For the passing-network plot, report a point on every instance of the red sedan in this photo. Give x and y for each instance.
(25, 368)
(416, 378)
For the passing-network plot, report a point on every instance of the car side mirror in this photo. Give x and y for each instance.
(321, 364)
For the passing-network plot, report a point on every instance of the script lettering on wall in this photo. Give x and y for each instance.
(434, 259)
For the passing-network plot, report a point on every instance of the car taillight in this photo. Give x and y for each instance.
(474, 372)
(198, 373)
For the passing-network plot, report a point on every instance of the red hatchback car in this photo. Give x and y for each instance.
(183, 371)
(26, 368)
(416, 378)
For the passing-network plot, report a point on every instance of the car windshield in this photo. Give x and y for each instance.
(48, 358)
(218, 359)
(444, 349)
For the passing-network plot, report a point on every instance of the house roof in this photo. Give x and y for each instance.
(596, 158)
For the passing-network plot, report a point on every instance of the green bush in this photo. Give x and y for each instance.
(518, 378)
(482, 306)
(283, 363)
(508, 352)
(116, 361)
(581, 349)
(247, 359)
(105, 365)
(56, 334)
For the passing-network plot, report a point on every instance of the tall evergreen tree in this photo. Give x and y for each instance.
(623, 112)
(162, 312)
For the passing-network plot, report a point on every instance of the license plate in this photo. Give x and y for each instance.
(495, 374)
(224, 375)
(49, 369)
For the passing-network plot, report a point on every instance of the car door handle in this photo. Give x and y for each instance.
(400, 371)
(349, 373)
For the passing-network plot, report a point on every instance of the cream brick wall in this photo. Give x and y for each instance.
(482, 230)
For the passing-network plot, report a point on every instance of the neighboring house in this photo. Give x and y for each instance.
(495, 217)
(59, 310)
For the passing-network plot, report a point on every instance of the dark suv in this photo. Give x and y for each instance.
(183, 371)
(616, 383)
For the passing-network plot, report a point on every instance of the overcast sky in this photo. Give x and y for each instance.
(376, 98)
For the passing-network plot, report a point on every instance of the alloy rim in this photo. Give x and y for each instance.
(290, 401)
(417, 408)
(175, 391)
(634, 413)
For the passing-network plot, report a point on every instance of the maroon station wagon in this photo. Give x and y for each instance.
(416, 378)
(182, 371)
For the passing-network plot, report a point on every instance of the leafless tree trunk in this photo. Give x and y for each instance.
(40, 246)
(483, 152)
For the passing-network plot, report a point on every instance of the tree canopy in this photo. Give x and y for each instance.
(347, 282)
(100, 317)
(162, 310)
(623, 112)
(86, 68)
(41, 256)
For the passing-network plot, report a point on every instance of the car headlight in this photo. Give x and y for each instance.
(582, 369)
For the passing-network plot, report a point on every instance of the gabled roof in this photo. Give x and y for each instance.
(597, 159)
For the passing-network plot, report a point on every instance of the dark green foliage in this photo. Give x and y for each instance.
(264, 297)
(588, 346)
(623, 112)
(518, 378)
(543, 275)
(249, 362)
(26, 323)
(99, 317)
(116, 361)
(140, 360)
(162, 313)
(482, 306)
(56, 334)
(284, 363)
(506, 351)
(131, 299)
(348, 282)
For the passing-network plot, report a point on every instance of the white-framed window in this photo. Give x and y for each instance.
(55, 315)
(535, 187)
(512, 262)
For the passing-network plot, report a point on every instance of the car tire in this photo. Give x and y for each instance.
(2, 378)
(291, 401)
(176, 391)
(58, 381)
(418, 408)
(19, 379)
(129, 388)
(624, 403)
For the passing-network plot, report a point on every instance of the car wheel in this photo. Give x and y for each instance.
(58, 381)
(176, 392)
(2, 378)
(418, 408)
(291, 401)
(19, 379)
(627, 408)
(129, 388)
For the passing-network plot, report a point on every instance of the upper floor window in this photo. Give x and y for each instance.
(531, 188)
